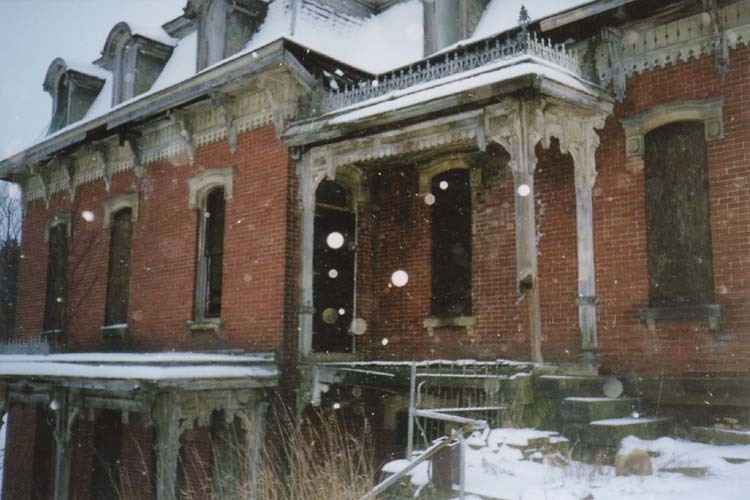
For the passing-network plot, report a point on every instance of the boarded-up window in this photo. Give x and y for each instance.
(677, 212)
(56, 260)
(211, 245)
(451, 244)
(119, 268)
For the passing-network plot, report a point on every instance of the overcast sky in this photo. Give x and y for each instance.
(34, 32)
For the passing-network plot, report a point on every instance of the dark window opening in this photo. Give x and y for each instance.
(56, 260)
(119, 268)
(334, 255)
(677, 215)
(212, 255)
(451, 244)
(107, 449)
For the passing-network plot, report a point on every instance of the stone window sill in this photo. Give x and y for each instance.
(467, 322)
(116, 330)
(710, 312)
(55, 332)
(206, 325)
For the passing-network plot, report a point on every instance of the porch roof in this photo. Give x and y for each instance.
(468, 89)
(257, 369)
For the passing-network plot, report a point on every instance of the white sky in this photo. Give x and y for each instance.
(34, 32)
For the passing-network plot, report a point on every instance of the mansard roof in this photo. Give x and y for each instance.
(329, 43)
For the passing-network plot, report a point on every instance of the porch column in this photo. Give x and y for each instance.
(520, 141)
(307, 207)
(169, 426)
(65, 418)
(584, 158)
(254, 424)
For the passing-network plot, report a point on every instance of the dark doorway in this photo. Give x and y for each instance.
(333, 268)
(44, 448)
(107, 448)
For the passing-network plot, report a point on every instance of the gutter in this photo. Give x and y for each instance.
(187, 91)
(579, 13)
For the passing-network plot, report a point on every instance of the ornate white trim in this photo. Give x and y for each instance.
(709, 111)
(117, 203)
(55, 220)
(647, 47)
(437, 167)
(207, 180)
(167, 138)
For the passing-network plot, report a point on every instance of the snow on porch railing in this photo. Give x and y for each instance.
(453, 62)
(24, 346)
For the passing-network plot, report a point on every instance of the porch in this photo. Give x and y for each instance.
(422, 162)
(163, 395)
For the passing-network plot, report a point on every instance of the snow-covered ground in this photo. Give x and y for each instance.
(498, 470)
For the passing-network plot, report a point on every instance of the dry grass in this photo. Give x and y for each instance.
(322, 460)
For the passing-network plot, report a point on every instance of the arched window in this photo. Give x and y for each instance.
(677, 216)
(210, 255)
(57, 233)
(334, 256)
(451, 244)
(118, 281)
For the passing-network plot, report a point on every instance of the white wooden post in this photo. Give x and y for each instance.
(169, 427)
(521, 145)
(307, 206)
(64, 421)
(584, 158)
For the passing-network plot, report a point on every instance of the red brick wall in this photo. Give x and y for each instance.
(164, 253)
(619, 209)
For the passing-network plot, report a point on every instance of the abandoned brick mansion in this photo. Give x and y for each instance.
(315, 199)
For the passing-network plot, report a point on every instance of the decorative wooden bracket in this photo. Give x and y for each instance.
(613, 38)
(132, 139)
(225, 103)
(102, 160)
(68, 169)
(42, 173)
(182, 119)
(721, 47)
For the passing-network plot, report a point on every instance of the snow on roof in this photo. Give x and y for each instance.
(461, 82)
(377, 44)
(154, 366)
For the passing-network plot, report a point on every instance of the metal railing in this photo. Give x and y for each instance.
(25, 346)
(465, 388)
(452, 62)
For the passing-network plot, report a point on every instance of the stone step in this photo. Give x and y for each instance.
(713, 435)
(607, 433)
(610, 431)
(586, 409)
(563, 386)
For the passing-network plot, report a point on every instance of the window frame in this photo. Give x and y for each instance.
(200, 187)
(60, 219)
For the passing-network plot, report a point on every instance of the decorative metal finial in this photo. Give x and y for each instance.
(523, 19)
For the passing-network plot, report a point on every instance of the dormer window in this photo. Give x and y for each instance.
(449, 21)
(73, 91)
(224, 26)
(135, 61)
